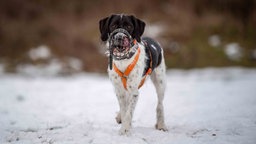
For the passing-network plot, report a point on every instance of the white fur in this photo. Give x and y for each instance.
(128, 98)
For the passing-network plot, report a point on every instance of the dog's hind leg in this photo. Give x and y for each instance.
(158, 77)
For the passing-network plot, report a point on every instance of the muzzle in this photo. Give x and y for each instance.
(120, 39)
(121, 45)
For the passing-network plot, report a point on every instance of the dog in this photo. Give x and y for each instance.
(132, 59)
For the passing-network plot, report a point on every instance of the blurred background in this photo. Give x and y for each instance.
(62, 35)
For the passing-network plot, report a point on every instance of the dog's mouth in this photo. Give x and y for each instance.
(120, 44)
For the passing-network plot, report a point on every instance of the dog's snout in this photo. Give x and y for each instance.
(119, 36)
(119, 39)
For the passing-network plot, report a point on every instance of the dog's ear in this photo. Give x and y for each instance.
(104, 27)
(139, 27)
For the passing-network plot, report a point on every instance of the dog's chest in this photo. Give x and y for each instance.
(135, 76)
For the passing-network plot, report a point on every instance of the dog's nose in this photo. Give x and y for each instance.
(118, 38)
(118, 41)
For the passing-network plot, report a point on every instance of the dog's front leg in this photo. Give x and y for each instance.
(131, 102)
(121, 97)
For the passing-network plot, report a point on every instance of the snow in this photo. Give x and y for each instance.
(201, 106)
(233, 51)
(75, 64)
(53, 68)
(41, 52)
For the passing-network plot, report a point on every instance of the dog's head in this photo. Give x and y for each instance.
(121, 31)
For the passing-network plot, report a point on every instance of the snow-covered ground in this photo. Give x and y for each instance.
(201, 106)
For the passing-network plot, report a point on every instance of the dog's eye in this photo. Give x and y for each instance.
(114, 26)
(128, 27)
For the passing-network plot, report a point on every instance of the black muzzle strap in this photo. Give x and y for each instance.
(119, 30)
(112, 43)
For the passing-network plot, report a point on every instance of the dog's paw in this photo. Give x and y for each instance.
(118, 118)
(161, 127)
(125, 131)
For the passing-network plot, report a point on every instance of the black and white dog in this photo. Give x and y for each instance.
(131, 60)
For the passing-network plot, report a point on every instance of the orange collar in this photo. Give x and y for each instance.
(124, 75)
